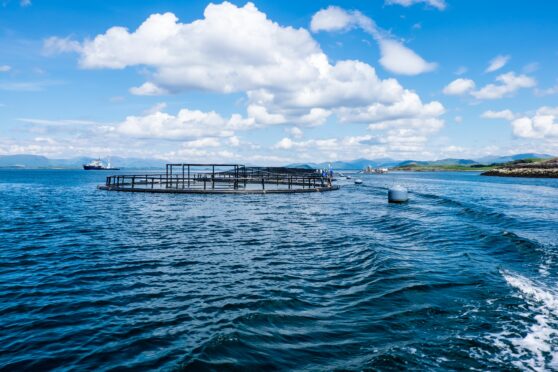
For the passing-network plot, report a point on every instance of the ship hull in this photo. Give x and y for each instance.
(96, 167)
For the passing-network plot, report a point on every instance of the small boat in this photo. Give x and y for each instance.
(349, 177)
(358, 181)
(98, 165)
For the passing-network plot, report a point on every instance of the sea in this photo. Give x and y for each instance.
(463, 276)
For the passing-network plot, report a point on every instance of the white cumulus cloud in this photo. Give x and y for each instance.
(508, 84)
(542, 125)
(504, 114)
(286, 77)
(399, 59)
(148, 89)
(5, 68)
(186, 124)
(395, 56)
(497, 63)
(295, 132)
(54, 45)
(459, 87)
(438, 4)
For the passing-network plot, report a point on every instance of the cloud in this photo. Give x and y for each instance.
(438, 4)
(156, 108)
(461, 70)
(399, 59)
(504, 114)
(234, 141)
(27, 86)
(286, 77)
(25, 3)
(148, 89)
(295, 132)
(497, 63)
(395, 57)
(531, 67)
(542, 125)
(316, 116)
(547, 92)
(262, 116)
(334, 18)
(55, 45)
(459, 87)
(509, 83)
(409, 106)
(186, 124)
(203, 143)
(60, 122)
(5, 68)
(371, 146)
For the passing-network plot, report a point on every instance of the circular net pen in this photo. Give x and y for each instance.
(223, 179)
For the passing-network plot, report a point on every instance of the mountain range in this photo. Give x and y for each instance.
(388, 162)
(37, 161)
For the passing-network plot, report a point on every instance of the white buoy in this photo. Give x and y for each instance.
(398, 194)
(358, 181)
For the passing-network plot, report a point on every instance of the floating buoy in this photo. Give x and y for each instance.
(358, 181)
(398, 194)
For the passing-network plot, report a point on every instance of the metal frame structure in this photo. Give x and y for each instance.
(222, 178)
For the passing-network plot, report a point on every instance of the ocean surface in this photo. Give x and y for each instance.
(464, 276)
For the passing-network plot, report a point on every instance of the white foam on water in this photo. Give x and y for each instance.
(538, 350)
(545, 266)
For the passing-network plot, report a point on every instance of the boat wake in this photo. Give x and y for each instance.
(531, 344)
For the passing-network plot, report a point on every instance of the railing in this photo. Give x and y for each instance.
(211, 177)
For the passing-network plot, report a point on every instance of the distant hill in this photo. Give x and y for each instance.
(350, 164)
(505, 159)
(37, 161)
(359, 164)
(24, 161)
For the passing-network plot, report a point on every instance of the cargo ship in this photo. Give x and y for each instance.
(98, 165)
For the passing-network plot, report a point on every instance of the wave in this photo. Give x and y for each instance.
(531, 344)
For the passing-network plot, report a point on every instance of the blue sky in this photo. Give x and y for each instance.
(278, 82)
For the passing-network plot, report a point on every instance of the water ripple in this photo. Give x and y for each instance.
(460, 277)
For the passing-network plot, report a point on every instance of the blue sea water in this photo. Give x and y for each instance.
(464, 276)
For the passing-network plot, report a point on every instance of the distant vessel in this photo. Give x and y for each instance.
(98, 165)
(370, 170)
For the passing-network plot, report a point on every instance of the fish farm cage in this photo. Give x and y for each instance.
(223, 179)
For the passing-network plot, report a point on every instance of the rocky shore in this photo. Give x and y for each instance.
(543, 169)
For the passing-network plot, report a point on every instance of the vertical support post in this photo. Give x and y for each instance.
(133, 181)
(213, 177)
(188, 175)
(152, 182)
(263, 184)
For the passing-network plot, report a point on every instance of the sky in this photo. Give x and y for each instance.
(269, 82)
